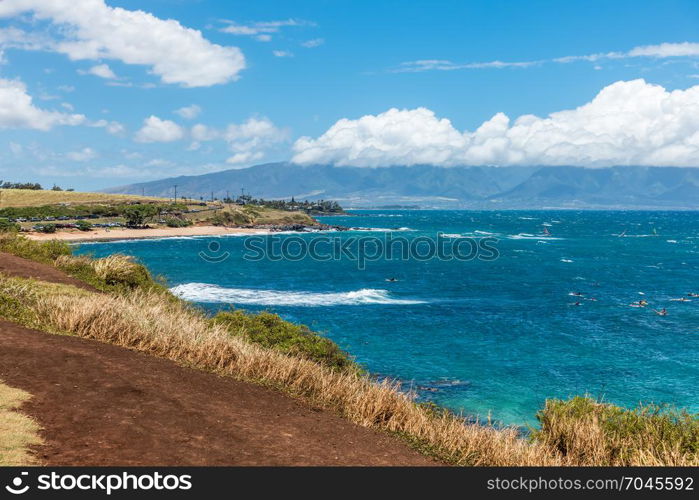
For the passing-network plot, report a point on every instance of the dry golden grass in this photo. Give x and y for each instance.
(34, 198)
(17, 431)
(592, 433)
(151, 323)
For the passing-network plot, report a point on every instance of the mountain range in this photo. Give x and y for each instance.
(429, 186)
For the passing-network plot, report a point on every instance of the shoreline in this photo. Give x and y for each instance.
(77, 236)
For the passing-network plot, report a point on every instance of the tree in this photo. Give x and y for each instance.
(137, 215)
(83, 225)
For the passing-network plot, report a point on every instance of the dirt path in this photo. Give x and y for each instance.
(101, 404)
(105, 405)
(11, 265)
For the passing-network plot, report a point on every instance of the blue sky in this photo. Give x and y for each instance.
(308, 64)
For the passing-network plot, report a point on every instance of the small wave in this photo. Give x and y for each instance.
(213, 294)
(527, 236)
(671, 241)
(379, 229)
(566, 260)
(136, 240)
(450, 235)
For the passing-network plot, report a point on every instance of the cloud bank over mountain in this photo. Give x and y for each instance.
(627, 123)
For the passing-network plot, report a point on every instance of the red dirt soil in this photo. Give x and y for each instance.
(100, 404)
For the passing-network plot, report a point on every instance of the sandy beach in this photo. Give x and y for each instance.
(132, 234)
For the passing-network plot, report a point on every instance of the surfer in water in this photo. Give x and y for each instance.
(546, 231)
(662, 312)
(391, 280)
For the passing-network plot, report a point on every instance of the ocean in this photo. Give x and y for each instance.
(544, 308)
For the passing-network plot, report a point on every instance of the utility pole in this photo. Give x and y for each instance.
(175, 193)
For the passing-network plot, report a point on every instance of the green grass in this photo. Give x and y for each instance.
(269, 330)
(45, 252)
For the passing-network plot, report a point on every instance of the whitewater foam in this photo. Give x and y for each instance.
(213, 294)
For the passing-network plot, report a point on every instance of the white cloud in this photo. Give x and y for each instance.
(15, 38)
(445, 65)
(189, 112)
(684, 49)
(18, 111)
(113, 127)
(282, 53)
(156, 130)
(246, 157)
(661, 51)
(262, 30)
(101, 70)
(247, 141)
(310, 44)
(131, 155)
(85, 154)
(92, 30)
(201, 133)
(627, 123)
(159, 162)
(16, 149)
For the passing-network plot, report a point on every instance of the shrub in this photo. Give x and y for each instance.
(46, 228)
(84, 225)
(113, 273)
(177, 222)
(8, 227)
(44, 251)
(269, 330)
(592, 433)
(226, 218)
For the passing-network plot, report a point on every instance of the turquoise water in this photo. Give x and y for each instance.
(487, 337)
